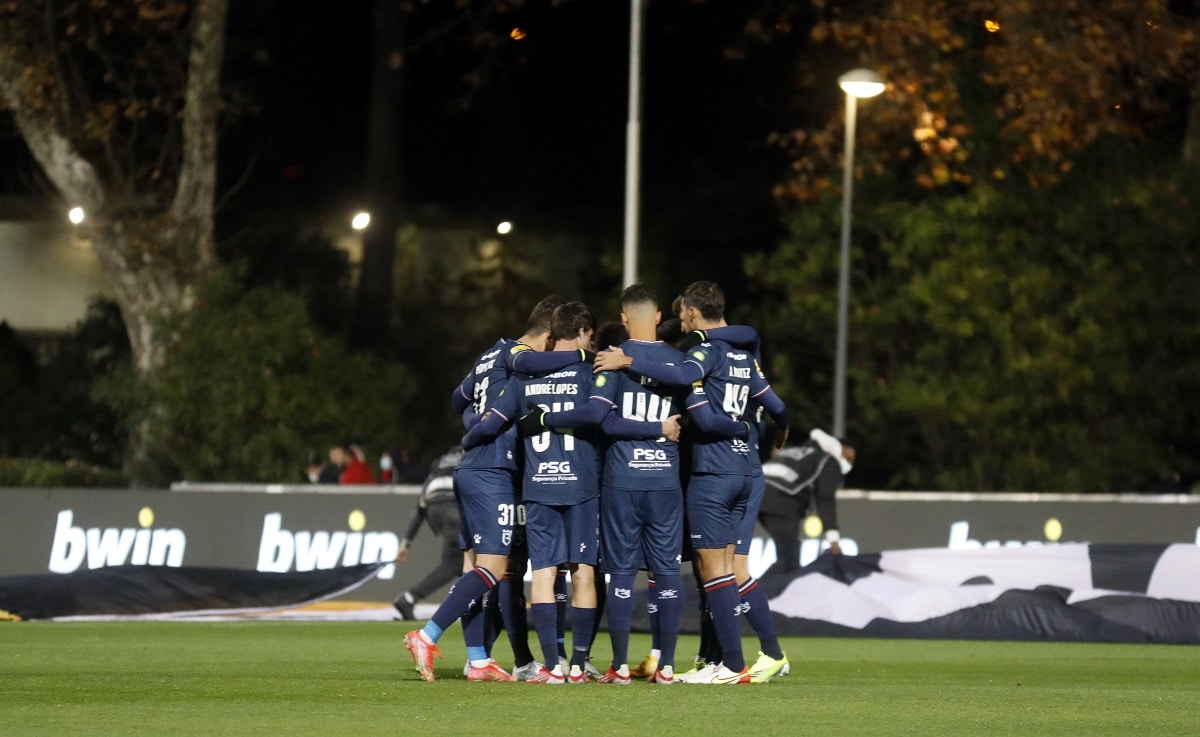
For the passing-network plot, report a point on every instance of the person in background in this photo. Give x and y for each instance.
(400, 466)
(797, 477)
(352, 464)
(387, 470)
(317, 472)
(437, 506)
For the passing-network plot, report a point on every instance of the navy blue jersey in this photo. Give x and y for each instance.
(561, 466)
(484, 386)
(633, 463)
(730, 378)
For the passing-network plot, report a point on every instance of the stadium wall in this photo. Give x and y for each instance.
(285, 528)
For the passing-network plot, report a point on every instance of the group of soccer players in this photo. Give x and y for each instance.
(579, 454)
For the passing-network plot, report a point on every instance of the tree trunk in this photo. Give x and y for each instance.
(152, 257)
(1191, 136)
(372, 320)
(153, 260)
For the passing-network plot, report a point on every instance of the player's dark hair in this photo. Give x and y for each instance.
(637, 294)
(569, 319)
(670, 331)
(609, 334)
(543, 313)
(706, 297)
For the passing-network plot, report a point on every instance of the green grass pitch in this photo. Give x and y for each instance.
(354, 678)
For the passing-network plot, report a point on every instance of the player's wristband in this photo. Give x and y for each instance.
(832, 536)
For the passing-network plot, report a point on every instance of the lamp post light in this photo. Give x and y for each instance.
(856, 83)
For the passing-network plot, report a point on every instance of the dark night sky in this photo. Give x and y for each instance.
(541, 141)
(544, 138)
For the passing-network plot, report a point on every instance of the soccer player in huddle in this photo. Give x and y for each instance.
(485, 479)
(641, 510)
(560, 484)
(771, 660)
(641, 499)
(720, 479)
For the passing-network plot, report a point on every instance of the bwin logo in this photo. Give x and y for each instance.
(622, 593)
(111, 546)
(323, 550)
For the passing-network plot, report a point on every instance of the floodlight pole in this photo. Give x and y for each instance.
(856, 83)
(633, 141)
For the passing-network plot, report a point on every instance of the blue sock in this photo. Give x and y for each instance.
(432, 631)
(516, 621)
(470, 587)
(758, 614)
(668, 598)
(583, 629)
(620, 616)
(724, 605)
(545, 623)
(473, 630)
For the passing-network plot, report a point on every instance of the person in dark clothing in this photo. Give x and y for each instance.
(438, 507)
(797, 477)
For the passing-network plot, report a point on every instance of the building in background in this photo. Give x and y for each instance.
(48, 273)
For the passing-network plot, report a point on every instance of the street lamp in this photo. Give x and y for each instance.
(856, 83)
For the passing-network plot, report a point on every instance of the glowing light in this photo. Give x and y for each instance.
(357, 520)
(504, 228)
(360, 221)
(813, 526)
(517, 34)
(75, 215)
(146, 517)
(1053, 530)
(861, 83)
(991, 26)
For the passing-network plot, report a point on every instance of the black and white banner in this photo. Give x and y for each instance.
(164, 592)
(1068, 592)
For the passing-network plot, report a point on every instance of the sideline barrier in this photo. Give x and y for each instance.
(282, 528)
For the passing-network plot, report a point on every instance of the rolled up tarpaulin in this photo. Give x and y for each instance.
(163, 591)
